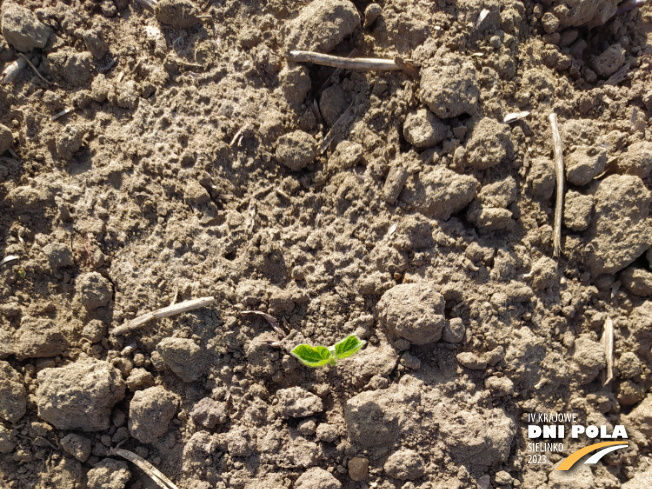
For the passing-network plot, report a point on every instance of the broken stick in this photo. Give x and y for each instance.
(559, 171)
(164, 312)
(364, 64)
(607, 341)
(156, 475)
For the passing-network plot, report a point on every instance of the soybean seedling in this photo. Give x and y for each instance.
(318, 356)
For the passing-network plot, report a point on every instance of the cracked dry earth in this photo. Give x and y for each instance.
(168, 151)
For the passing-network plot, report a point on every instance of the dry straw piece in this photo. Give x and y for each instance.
(155, 474)
(607, 342)
(364, 64)
(559, 171)
(173, 310)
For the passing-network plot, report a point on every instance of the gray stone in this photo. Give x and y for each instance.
(358, 468)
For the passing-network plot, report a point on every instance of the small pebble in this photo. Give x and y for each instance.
(358, 468)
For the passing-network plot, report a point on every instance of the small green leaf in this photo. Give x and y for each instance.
(312, 356)
(348, 346)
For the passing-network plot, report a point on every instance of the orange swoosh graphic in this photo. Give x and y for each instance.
(575, 456)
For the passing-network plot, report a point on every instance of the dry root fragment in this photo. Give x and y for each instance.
(559, 171)
(164, 312)
(11, 72)
(607, 342)
(156, 475)
(365, 64)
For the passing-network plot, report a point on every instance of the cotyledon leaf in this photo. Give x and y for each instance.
(348, 346)
(312, 356)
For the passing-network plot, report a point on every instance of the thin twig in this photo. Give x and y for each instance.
(559, 170)
(164, 312)
(328, 81)
(365, 64)
(607, 341)
(156, 475)
(35, 70)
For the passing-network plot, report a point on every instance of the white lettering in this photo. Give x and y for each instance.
(592, 431)
(577, 430)
(603, 432)
(619, 431)
(533, 431)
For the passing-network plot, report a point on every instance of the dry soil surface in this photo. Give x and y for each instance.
(156, 152)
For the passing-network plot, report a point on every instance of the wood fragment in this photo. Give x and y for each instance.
(59, 115)
(559, 171)
(407, 66)
(9, 259)
(607, 342)
(363, 64)
(629, 5)
(269, 318)
(156, 475)
(10, 73)
(335, 73)
(150, 4)
(173, 310)
(515, 116)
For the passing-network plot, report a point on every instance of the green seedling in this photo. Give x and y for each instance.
(318, 356)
